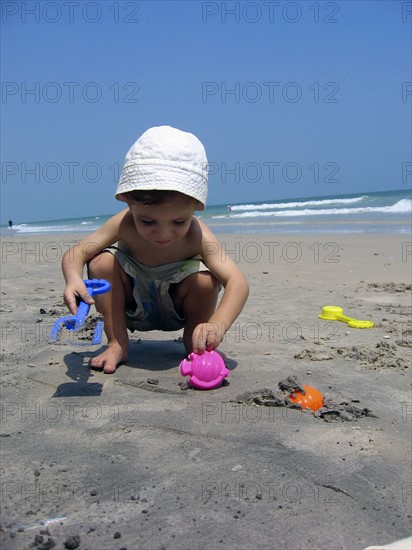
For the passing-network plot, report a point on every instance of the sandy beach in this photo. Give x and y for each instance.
(103, 462)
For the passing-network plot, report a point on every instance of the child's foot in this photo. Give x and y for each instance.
(112, 356)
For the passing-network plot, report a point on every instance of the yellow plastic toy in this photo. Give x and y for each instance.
(335, 313)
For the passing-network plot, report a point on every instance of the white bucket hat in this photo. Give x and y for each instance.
(166, 159)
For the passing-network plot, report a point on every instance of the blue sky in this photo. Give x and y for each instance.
(291, 99)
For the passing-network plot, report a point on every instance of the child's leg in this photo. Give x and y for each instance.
(112, 306)
(196, 298)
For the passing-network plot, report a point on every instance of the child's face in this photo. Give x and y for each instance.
(163, 224)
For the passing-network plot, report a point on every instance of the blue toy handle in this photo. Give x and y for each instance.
(76, 322)
(94, 286)
(81, 314)
(97, 286)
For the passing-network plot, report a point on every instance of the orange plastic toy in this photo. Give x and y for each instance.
(312, 399)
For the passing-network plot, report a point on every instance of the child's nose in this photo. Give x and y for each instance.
(162, 231)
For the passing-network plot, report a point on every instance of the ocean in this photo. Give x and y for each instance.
(377, 212)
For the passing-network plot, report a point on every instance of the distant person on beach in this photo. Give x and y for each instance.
(165, 265)
(10, 224)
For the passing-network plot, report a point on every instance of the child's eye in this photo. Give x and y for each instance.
(147, 222)
(180, 222)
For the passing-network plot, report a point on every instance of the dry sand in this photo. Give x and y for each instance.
(109, 462)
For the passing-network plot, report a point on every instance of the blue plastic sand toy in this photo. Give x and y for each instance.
(76, 322)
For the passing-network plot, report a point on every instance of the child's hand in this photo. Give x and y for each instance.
(206, 336)
(73, 292)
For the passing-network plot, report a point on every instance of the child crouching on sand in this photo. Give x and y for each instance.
(165, 266)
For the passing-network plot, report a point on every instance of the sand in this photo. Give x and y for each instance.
(122, 461)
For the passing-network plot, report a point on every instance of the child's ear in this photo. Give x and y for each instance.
(199, 206)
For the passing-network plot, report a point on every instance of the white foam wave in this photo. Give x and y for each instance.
(24, 228)
(403, 206)
(298, 204)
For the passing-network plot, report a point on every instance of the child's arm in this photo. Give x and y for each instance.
(209, 335)
(77, 256)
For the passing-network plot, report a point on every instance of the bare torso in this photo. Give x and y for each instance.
(143, 251)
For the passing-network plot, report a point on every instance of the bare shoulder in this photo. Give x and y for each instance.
(208, 238)
(125, 224)
(118, 227)
(106, 235)
(116, 223)
(215, 257)
(205, 232)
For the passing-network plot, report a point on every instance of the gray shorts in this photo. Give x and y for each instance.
(154, 306)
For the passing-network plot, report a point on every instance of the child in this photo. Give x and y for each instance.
(166, 266)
